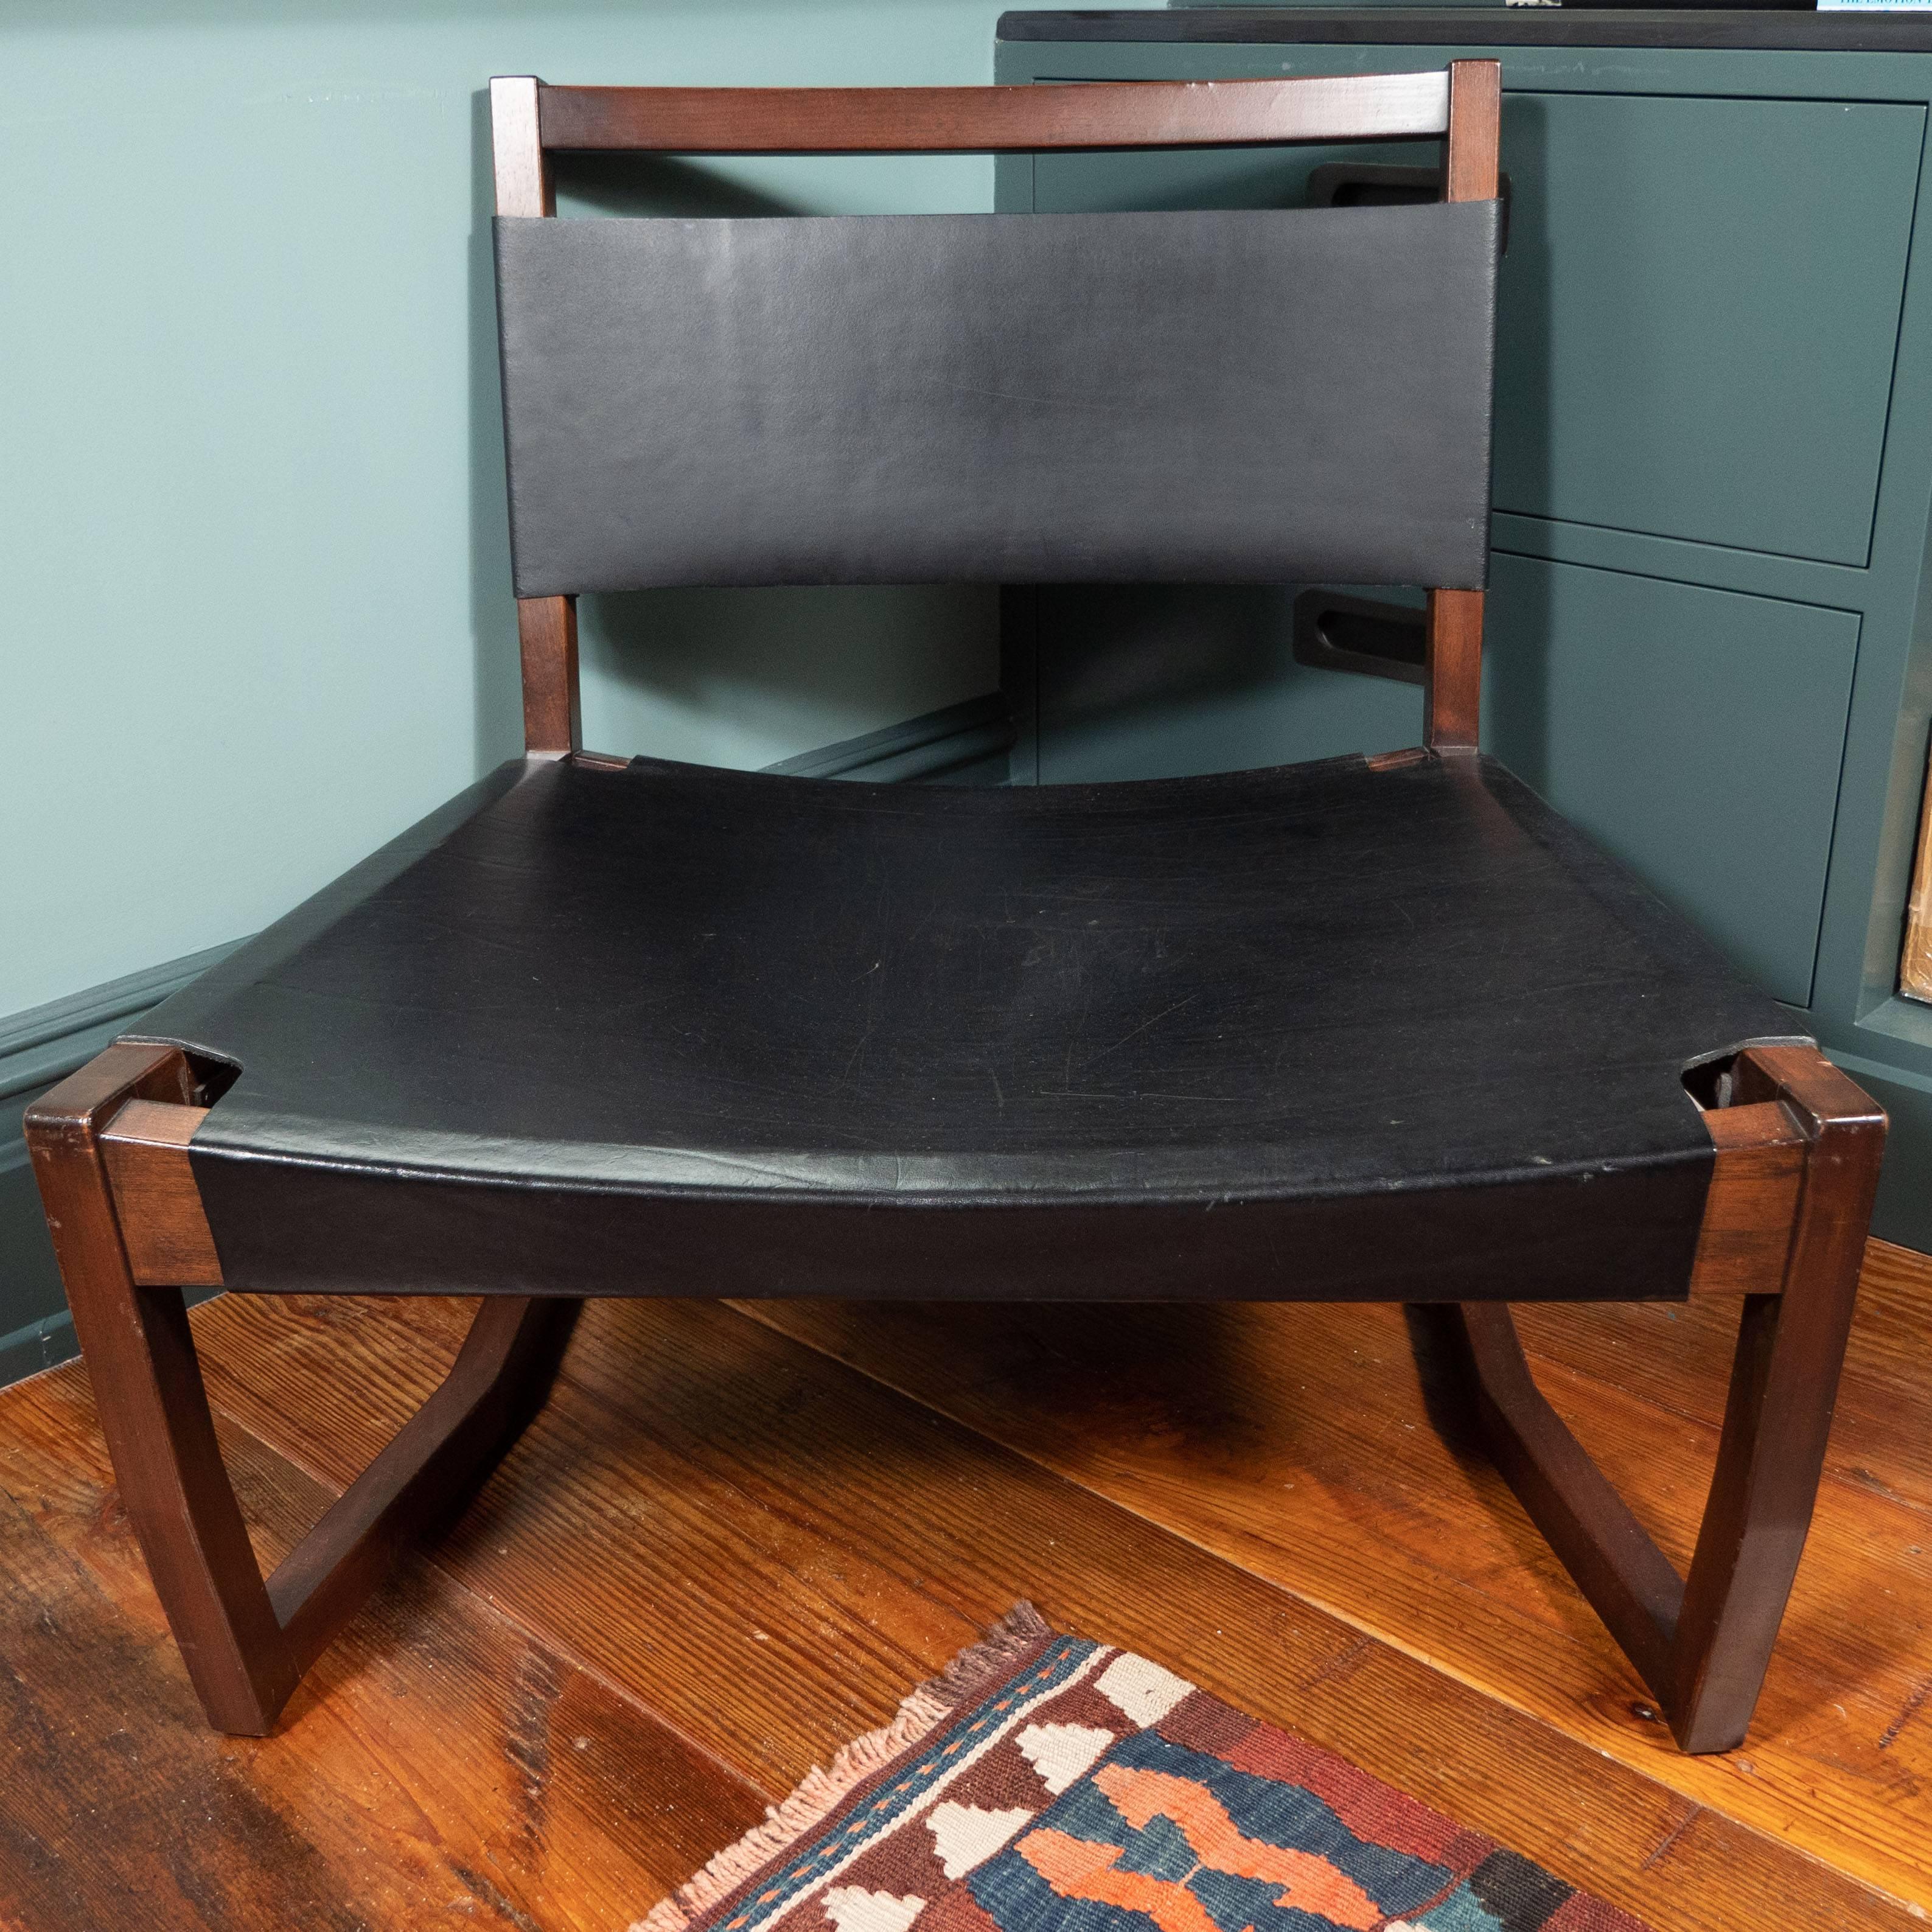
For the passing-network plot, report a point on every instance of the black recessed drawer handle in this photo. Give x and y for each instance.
(1380, 185)
(1334, 631)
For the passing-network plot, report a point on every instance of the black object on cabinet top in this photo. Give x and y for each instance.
(1839, 31)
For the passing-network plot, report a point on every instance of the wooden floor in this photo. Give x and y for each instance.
(736, 1537)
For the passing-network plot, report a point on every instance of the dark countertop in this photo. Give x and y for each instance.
(1839, 32)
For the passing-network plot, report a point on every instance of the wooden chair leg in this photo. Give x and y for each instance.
(501, 1377)
(246, 1642)
(1702, 1644)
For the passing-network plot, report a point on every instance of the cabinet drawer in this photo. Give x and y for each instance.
(1696, 325)
(1696, 734)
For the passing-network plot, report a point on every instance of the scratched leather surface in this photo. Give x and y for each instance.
(1393, 1034)
(1248, 396)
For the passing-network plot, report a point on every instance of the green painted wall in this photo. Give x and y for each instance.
(258, 615)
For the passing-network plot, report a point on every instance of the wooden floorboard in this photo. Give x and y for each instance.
(731, 1542)
(1298, 1442)
(444, 1765)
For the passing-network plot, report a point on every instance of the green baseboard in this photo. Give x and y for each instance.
(44, 1344)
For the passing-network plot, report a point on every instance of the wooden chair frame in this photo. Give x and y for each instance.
(1796, 1144)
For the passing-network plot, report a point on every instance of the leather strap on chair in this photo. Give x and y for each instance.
(1253, 396)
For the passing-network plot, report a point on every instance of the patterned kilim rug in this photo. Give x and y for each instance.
(1045, 1783)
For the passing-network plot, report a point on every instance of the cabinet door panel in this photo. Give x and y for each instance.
(1696, 332)
(1697, 734)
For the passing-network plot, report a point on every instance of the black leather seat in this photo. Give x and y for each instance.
(1389, 1028)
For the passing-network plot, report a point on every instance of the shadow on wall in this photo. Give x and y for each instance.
(720, 677)
(1163, 681)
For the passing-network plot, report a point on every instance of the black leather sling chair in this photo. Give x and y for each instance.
(1378, 1028)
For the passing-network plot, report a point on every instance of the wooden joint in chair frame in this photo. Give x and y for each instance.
(1790, 1199)
(110, 1151)
(1753, 1199)
(1452, 688)
(164, 1228)
(546, 626)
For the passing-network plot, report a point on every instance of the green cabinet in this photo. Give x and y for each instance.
(1713, 475)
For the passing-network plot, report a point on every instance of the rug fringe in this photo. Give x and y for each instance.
(976, 1668)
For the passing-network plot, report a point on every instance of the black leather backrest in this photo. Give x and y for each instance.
(1231, 396)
